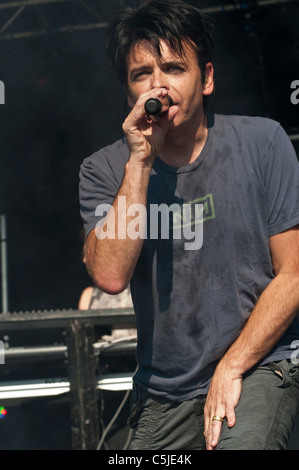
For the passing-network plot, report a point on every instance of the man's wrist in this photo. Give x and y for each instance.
(138, 172)
(235, 363)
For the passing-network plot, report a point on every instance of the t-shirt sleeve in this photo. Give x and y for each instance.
(281, 184)
(97, 185)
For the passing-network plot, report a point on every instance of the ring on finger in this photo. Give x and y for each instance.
(218, 418)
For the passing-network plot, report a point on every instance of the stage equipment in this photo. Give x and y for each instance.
(91, 364)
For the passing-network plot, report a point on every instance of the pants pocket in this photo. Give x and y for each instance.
(288, 372)
(280, 369)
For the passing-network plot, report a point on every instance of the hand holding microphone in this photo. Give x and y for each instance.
(146, 126)
(156, 106)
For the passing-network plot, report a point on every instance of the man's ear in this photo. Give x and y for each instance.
(209, 80)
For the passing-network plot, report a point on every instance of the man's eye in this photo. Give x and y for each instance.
(176, 69)
(140, 75)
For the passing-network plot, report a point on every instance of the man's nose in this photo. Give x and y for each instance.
(159, 79)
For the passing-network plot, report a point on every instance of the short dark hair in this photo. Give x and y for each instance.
(169, 20)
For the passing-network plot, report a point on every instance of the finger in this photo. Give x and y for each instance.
(231, 417)
(213, 427)
(216, 430)
(154, 93)
(138, 113)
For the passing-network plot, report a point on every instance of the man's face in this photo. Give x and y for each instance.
(180, 76)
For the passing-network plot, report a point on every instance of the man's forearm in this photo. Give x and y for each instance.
(272, 315)
(275, 310)
(111, 255)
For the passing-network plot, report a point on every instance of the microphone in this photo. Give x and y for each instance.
(155, 106)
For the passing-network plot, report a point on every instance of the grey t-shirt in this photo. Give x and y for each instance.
(191, 304)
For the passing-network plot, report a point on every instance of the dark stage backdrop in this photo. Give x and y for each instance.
(62, 104)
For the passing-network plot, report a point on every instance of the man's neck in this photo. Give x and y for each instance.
(182, 147)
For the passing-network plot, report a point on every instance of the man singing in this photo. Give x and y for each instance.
(216, 324)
